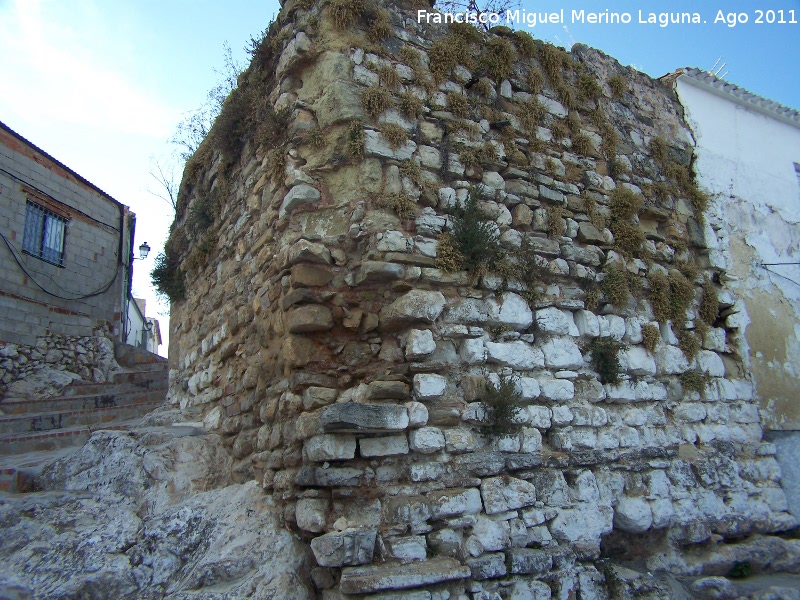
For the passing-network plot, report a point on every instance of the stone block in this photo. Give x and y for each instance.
(342, 548)
(555, 321)
(512, 311)
(637, 361)
(306, 274)
(473, 351)
(299, 195)
(517, 354)
(562, 353)
(528, 387)
(670, 360)
(392, 445)
(315, 397)
(388, 390)
(426, 440)
(326, 447)
(340, 102)
(365, 580)
(587, 323)
(586, 522)
(529, 561)
(417, 413)
(488, 566)
(358, 417)
(428, 386)
(330, 477)
(633, 515)
(557, 389)
(419, 344)
(454, 502)
(376, 145)
(503, 494)
(309, 318)
(406, 548)
(311, 514)
(415, 305)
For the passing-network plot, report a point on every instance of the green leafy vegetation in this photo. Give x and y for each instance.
(605, 358)
(502, 403)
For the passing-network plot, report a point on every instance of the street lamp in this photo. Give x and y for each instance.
(144, 250)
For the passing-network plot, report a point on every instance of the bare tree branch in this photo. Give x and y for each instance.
(167, 186)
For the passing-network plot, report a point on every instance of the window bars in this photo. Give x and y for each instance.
(45, 232)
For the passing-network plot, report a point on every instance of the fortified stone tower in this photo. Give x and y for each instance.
(444, 294)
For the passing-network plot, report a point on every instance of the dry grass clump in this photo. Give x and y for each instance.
(394, 134)
(608, 146)
(625, 203)
(355, 140)
(457, 104)
(410, 105)
(403, 206)
(484, 87)
(316, 137)
(526, 45)
(388, 76)
(276, 164)
(574, 121)
(448, 256)
(559, 130)
(670, 296)
(628, 238)
(615, 287)
(530, 114)
(408, 56)
(689, 343)
(446, 53)
(498, 58)
(618, 86)
(659, 149)
(346, 13)
(709, 304)
(379, 28)
(568, 96)
(582, 144)
(556, 225)
(693, 380)
(412, 170)
(592, 300)
(554, 60)
(650, 336)
(535, 80)
(375, 99)
(588, 88)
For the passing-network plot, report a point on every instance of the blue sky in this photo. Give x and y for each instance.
(101, 85)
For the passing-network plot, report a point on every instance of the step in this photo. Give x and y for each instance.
(48, 441)
(122, 397)
(92, 389)
(37, 423)
(141, 378)
(18, 472)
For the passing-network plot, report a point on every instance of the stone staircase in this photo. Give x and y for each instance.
(46, 426)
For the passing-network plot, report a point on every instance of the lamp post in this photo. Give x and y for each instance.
(144, 250)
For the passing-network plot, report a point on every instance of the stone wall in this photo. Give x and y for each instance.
(55, 361)
(393, 259)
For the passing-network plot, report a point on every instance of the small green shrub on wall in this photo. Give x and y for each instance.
(605, 358)
(502, 404)
(475, 238)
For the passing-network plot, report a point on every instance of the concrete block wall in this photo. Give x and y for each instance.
(91, 248)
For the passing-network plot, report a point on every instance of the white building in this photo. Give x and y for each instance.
(748, 159)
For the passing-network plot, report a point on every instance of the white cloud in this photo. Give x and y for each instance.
(52, 72)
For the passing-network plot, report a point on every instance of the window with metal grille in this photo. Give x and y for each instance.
(44, 234)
